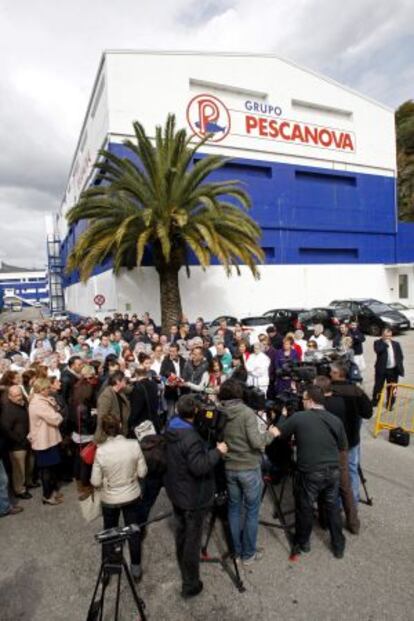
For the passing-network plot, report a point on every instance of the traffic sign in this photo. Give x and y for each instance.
(99, 300)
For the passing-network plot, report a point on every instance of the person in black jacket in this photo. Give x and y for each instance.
(358, 406)
(15, 424)
(144, 402)
(189, 482)
(389, 366)
(172, 365)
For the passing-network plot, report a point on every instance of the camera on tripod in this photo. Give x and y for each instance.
(115, 535)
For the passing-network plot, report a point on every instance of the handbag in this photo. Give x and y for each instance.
(88, 453)
(399, 436)
(91, 507)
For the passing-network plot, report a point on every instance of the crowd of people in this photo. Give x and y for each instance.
(64, 386)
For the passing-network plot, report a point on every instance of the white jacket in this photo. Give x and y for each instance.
(118, 465)
(257, 366)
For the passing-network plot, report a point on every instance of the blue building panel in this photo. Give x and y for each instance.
(308, 214)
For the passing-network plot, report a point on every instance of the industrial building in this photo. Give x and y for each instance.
(318, 159)
(23, 287)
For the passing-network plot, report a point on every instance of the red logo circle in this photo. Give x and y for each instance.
(99, 299)
(206, 114)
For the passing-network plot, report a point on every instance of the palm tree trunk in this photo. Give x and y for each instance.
(171, 309)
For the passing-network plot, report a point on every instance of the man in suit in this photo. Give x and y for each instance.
(388, 366)
(173, 364)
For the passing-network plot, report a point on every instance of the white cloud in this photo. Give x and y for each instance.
(50, 52)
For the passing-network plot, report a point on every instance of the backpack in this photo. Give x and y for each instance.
(153, 447)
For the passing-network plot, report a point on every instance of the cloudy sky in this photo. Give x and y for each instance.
(50, 50)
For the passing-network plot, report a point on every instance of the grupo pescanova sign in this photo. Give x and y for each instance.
(206, 114)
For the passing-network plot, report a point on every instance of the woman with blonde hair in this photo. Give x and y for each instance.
(44, 435)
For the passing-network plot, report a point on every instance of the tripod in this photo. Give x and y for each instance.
(113, 563)
(220, 511)
(368, 499)
(269, 487)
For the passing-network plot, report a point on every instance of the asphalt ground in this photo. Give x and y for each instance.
(49, 560)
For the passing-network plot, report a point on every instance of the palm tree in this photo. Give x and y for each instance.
(160, 199)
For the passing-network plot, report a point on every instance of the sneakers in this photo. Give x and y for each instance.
(186, 593)
(136, 571)
(253, 559)
(338, 552)
(13, 511)
(24, 495)
(299, 548)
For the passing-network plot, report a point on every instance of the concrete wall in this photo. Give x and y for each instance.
(211, 293)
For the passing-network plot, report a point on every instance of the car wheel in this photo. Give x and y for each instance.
(374, 329)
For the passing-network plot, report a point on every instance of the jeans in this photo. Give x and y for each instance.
(354, 457)
(4, 494)
(189, 530)
(245, 494)
(130, 511)
(322, 483)
(151, 487)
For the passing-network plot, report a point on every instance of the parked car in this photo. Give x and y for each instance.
(215, 324)
(286, 319)
(253, 326)
(329, 316)
(404, 310)
(373, 315)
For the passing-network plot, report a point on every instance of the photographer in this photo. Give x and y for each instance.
(190, 487)
(319, 437)
(335, 404)
(358, 406)
(243, 472)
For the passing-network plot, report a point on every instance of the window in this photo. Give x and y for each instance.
(269, 253)
(330, 253)
(403, 286)
(326, 178)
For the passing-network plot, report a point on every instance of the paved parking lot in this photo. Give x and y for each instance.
(49, 559)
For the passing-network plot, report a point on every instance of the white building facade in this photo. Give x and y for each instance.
(317, 158)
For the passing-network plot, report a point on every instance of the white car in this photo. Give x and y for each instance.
(253, 326)
(404, 310)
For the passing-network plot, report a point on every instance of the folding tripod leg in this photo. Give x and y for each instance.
(138, 601)
(96, 605)
(368, 500)
(204, 548)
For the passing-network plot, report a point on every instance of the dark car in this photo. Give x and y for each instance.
(330, 317)
(373, 316)
(286, 319)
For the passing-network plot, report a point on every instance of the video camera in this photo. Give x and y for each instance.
(115, 535)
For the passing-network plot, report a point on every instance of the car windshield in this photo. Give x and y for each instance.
(255, 321)
(378, 307)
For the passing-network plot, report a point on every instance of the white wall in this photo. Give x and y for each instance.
(211, 293)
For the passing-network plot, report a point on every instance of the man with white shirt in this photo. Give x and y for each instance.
(319, 337)
(389, 365)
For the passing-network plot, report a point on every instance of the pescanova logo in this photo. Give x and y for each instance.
(206, 114)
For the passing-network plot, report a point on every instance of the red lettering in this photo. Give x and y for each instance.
(262, 126)
(282, 128)
(273, 130)
(297, 133)
(325, 137)
(311, 133)
(347, 142)
(251, 123)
